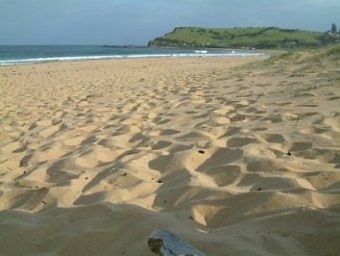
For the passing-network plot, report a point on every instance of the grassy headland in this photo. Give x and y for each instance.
(252, 37)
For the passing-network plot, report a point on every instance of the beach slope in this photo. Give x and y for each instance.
(238, 156)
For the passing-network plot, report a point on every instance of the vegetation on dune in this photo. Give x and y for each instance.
(260, 38)
(334, 51)
(300, 62)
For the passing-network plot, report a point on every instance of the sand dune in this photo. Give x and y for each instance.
(238, 160)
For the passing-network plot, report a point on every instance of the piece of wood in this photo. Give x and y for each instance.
(166, 243)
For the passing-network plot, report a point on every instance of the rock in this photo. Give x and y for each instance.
(165, 243)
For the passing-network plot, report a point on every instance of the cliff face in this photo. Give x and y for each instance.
(266, 37)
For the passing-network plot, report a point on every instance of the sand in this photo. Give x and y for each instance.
(237, 160)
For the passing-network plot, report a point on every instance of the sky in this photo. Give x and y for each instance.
(119, 22)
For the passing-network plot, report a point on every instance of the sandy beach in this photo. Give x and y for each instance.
(238, 156)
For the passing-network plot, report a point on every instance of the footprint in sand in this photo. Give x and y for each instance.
(237, 142)
(222, 156)
(62, 171)
(167, 132)
(161, 145)
(224, 175)
(52, 130)
(27, 199)
(300, 146)
(258, 182)
(274, 138)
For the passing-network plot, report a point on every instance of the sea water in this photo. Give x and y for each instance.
(11, 55)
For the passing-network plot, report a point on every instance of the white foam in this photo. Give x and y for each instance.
(201, 51)
(99, 57)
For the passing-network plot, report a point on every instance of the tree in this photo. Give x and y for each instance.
(334, 29)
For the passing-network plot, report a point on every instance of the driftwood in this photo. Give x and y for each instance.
(165, 243)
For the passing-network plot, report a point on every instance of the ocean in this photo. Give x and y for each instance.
(12, 55)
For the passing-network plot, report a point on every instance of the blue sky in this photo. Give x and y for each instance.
(137, 21)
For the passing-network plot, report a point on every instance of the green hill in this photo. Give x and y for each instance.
(261, 37)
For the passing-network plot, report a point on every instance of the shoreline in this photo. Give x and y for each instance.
(248, 59)
(94, 58)
(36, 54)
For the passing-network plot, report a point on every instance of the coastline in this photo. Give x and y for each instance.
(16, 55)
(91, 58)
(236, 155)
